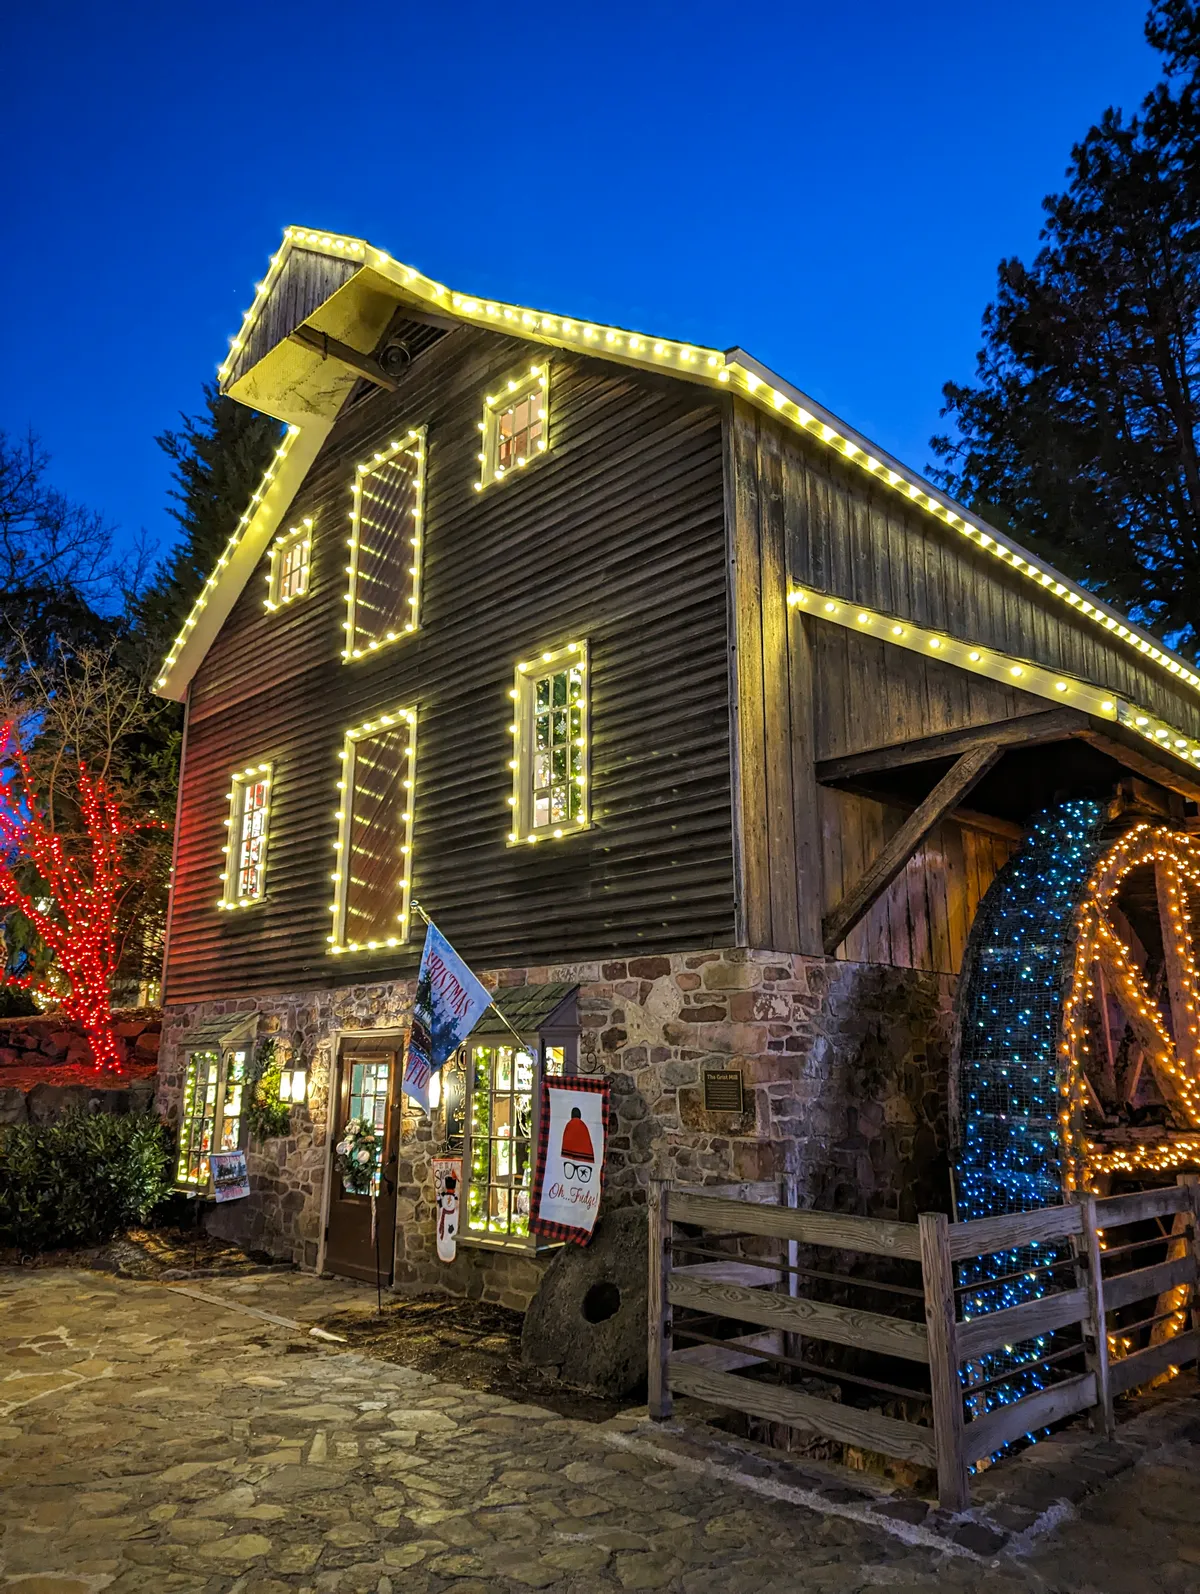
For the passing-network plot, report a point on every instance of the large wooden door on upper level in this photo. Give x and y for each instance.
(369, 1088)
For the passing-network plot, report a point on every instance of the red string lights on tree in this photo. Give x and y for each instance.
(75, 906)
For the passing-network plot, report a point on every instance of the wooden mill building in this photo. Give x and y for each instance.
(698, 724)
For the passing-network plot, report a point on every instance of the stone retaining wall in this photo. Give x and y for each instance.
(46, 1066)
(845, 1068)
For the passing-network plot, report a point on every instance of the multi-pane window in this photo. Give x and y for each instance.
(291, 558)
(374, 846)
(369, 1099)
(515, 425)
(383, 598)
(212, 1112)
(245, 872)
(503, 1086)
(550, 735)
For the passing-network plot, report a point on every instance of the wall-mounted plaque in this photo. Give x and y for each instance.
(723, 1090)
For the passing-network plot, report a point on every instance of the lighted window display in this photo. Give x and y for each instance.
(246, 851)
(383, 597)
(501, 1142)
(291, 558)
(212, 1112)
(515, 425)
(550, 792)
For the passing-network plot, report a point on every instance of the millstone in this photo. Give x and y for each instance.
(587, 1321)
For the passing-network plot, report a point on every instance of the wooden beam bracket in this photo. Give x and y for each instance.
(331, 348)
(946, 795)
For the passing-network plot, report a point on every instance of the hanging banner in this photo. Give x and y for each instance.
(447, 1007)
(447, 1181)
(231, 1181)
(572, 1137)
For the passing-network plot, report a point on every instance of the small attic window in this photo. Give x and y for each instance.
(291, 560)
(515, 425)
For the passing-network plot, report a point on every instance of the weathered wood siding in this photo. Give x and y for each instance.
(923, 919)
(618, 535)
(306, 281)
(848, 535)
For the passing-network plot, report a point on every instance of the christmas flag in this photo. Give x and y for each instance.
(448, 1005)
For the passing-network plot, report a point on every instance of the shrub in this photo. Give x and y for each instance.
(81, 1179)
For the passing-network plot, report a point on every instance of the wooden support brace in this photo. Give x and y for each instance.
(331, 348)
(1144, 1033)
(953, 786)
(1095, 1330)
(941, 1320)
(1167, 881)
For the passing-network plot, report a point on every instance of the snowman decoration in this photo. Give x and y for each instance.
(448, 1177)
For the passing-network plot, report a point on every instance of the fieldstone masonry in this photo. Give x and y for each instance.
(844, 1067)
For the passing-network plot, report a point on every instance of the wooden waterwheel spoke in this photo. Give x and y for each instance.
(1177, 954)
(1126, 985)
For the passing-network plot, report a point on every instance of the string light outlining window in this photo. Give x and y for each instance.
(383, 598)
(550, 795)
(373, 876)
(244, 878)
(515, 425)
(212, 1112)
(290, 560)
(504, 1086)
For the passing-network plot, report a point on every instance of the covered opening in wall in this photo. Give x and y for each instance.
(535, 1034)
(915, 831)
(216, 1060)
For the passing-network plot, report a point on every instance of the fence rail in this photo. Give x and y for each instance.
(990, 1377)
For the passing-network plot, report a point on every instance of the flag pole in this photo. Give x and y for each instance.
(413, 903)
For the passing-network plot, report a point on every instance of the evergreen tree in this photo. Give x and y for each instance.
(219, 457)
(1082, 433)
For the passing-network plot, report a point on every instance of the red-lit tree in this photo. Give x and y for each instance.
(70, 888)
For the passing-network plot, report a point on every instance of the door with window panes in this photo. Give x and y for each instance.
(503, 1091)
(368, 1088)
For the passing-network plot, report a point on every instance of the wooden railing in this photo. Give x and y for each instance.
(994, 1373)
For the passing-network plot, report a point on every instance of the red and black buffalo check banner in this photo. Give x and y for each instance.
(572, 1140)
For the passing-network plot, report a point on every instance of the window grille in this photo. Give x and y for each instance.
(246, 850)
(515, 425)
(550, 733)
(214, 1082)
(504, 1087)
(291, 559)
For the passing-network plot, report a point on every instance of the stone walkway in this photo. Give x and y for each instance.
(153, 1441)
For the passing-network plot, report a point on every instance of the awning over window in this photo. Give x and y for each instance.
(529, 1009)
(215, 1034)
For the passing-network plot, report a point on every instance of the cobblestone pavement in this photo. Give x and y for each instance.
(154, 1441)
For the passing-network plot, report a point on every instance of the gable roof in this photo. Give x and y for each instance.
(346, 289)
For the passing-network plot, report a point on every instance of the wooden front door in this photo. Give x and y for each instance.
(369, 1088)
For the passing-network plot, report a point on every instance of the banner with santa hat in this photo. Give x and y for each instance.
(572, 1137)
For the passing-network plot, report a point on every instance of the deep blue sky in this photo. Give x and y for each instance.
(829, 186)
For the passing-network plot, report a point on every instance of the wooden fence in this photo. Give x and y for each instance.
(986, 1374)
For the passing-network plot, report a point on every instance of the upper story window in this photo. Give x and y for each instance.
(291, 559)
(245, 873)
(515, 425)
(374, 845)
(383, 598)
(550, 745)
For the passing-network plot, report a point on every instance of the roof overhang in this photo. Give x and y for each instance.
(347, 291)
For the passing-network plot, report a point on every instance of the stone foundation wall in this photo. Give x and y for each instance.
(46, 1067)
(844, 1065)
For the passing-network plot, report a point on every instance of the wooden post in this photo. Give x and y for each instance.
(1095, 1328)
(793, 1345)
(1192, 1181)
(941, 1318)
(658, 1308)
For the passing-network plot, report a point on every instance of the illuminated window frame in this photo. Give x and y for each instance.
(498, 404)
(214, 1084)
(241, 782)
(345, 790)
(296, 537)
(524, 695)
(415, 434)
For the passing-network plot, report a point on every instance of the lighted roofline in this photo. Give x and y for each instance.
(733, 369)
(917, 489)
